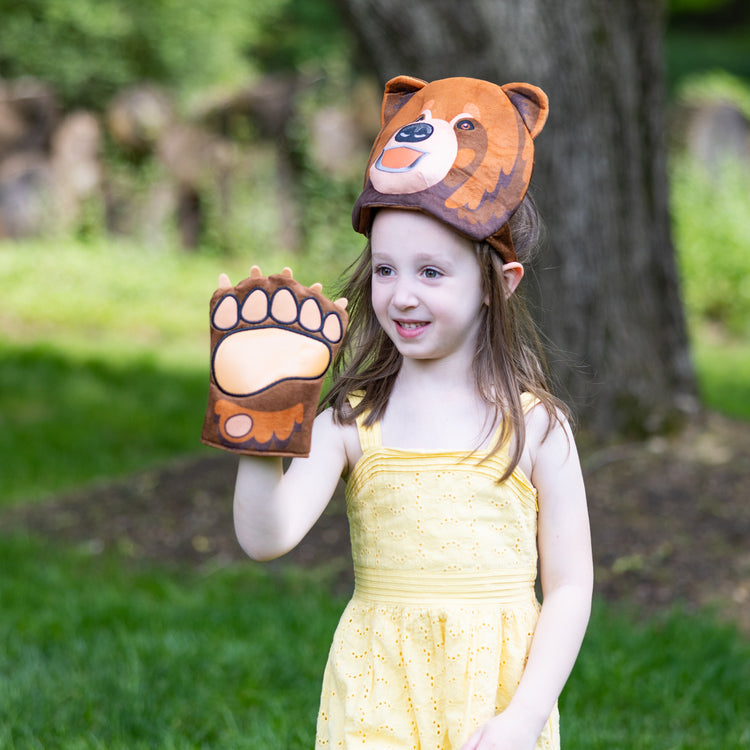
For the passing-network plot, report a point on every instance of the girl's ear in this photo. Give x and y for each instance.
(512, 273)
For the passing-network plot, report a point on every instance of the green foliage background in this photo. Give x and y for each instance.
(89, 49)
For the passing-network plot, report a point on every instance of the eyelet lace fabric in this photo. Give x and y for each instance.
(435, 638)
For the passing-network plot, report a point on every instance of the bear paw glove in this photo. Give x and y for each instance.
(272, 341)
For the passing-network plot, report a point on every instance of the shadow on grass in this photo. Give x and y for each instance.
(66, 421)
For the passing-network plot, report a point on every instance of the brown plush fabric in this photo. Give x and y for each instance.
(459, 149)
(272, 340)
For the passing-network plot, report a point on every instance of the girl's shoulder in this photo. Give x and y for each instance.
(540, 415)
(548, 434)
(342, 433)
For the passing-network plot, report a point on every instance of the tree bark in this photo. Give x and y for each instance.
(606, 289)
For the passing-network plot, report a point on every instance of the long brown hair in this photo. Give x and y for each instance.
(508, 360)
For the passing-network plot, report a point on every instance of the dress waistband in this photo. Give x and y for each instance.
(385, 586)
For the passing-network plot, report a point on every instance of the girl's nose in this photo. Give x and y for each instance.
(404, 296)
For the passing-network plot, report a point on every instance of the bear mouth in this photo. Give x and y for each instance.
(398, 159)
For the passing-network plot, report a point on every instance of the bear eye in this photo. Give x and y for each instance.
(419, 119)
(465, 125)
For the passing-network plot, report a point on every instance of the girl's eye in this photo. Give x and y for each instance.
(383, 271)
(432, 273)
(465, 125)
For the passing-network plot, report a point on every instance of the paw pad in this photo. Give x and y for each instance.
(270, 338)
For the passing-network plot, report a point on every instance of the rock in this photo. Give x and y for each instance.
(718, 132)
(29, 114)
(27, 195)
(76, 164)
(138, 116)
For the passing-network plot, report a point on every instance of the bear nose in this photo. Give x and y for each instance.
(415, 132)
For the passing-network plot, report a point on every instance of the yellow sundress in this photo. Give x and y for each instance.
(436, 636)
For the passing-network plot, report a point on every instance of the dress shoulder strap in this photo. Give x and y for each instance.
(528, 401)
(369, 436)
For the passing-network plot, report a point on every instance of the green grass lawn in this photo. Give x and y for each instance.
(677, 681)
(723, 368)
(97, 655)
(100, 655)
(66, 421)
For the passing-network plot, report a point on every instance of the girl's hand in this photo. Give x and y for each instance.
(503, 732)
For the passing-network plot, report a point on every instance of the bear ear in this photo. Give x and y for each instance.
(531, 103)
(398, 91)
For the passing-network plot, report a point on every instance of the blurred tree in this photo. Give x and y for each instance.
(89, 49)
(607, 289)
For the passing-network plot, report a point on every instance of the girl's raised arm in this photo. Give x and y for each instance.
(272, 340)
(273, 509)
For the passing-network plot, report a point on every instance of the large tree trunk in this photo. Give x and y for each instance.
(606, 292)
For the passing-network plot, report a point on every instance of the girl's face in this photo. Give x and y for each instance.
(426, 285)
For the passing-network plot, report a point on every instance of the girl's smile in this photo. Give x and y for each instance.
(410, 329)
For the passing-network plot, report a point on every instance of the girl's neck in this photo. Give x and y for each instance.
(433, 407)
(434, 376)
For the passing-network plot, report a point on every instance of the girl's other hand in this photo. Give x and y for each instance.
(503, 732)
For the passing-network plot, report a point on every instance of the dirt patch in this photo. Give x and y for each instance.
(670, 519)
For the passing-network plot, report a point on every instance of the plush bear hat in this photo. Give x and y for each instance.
(459, 149)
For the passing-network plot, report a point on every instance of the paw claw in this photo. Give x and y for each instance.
(255, 272)
(286, 271)
(341, 303)
(224, 282)
(316, 287)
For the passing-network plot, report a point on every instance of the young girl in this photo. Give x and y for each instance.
(460, 465)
